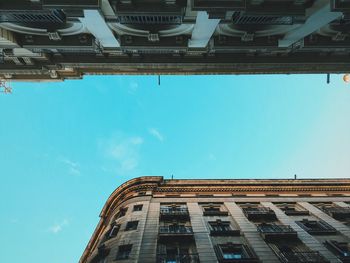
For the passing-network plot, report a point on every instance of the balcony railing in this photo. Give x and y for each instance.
(339, 213)
(302, 257)
(341, 249)
(235, 253)
(295, 212)
(174, 212)
(273, 231)
(181, 258)
(224, 232)
(214, 212)
(256, 213)
(317, 227)
(175, 231)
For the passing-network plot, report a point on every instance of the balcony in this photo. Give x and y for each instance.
(301, 257)
(224, 232)
(234, 253)
(259, 213)
(180, 258)
(317, 227)
(292, 210)
(338, 213)
(169, 213)
(102, 253)
(222, 228)
(33, 17)
(340, 249)
(175, 231)
(272, 232)
(214, 212)
(150, 12)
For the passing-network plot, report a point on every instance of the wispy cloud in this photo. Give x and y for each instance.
(124, 151)
(58, 227)
(154, 132)
(73, 167)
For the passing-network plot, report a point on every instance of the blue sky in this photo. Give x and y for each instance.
(65, 147)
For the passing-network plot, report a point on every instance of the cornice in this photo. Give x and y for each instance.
(195, 189)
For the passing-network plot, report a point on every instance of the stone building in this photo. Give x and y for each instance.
(53, 40)
(153, 220)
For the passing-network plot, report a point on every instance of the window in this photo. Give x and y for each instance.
(292, 209)
(124, 252)
(122, 212)
(213, 210)
(173, 211)
(257, 212)
(137, 208)
(113, 232)
(101, 255)
(177, 252)
(230, 252)
(131, 225)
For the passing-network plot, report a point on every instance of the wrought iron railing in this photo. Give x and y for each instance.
(341, 249)
(337, 212)
(149, 19)
(253, 213)
(317, 227)
(273, 231)
(180, 258)
(174, 212)
(302, 257)
(273, 228)
(177, 230)
(33, 16)
(295, 212)
(214, 212)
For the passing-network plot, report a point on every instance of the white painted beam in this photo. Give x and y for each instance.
(7, 39)
(98, 27)
(107, 9)
(203, 30)
(321, 15)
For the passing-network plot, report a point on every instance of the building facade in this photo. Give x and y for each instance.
(150, 219)
(48, 40)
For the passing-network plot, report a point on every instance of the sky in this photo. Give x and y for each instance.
(65, 146)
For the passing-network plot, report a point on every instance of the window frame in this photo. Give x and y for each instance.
(126, 252)
(130, 228)
(247, 254)
(137, 208)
